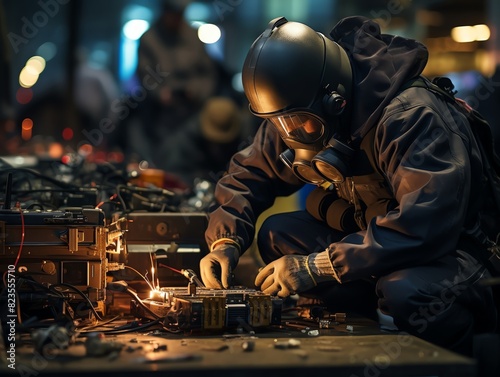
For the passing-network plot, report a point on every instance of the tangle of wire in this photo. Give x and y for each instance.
(81, 294)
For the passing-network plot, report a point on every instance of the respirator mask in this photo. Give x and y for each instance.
(300, 81)
(315, 153)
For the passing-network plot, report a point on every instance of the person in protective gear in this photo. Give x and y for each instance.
(394, 168)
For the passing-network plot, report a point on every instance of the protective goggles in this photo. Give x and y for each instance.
(303, 127)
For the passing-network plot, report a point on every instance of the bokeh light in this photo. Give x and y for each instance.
(209, 33)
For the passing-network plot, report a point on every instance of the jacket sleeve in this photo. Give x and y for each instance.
(424, 156)
(255, 177)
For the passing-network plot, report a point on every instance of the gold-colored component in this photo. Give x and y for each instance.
(214, 312)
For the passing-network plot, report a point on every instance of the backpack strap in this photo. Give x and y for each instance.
(439, 85)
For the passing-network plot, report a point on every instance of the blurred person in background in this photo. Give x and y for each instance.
(171, 47)
(202, 149)
(179, 77)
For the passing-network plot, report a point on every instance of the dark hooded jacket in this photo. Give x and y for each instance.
(422, 147)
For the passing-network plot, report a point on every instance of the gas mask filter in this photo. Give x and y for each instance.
(299, 161)
(333, 163)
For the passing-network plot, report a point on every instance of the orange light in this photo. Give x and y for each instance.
(55, 150)
(85, 149)
(26, 129)
(27, 124)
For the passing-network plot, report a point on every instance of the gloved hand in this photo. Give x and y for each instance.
(216, 268)
(285, 276)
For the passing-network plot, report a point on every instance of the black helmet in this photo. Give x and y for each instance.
(301, 81)
(291, 66)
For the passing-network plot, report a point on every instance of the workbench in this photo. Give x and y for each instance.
(351, 349)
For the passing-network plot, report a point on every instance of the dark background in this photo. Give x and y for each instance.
(89, 33)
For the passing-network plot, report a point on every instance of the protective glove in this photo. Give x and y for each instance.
(216, 268)
(296, 273)
(285, 276)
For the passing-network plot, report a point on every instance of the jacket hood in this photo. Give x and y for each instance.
(381, 64)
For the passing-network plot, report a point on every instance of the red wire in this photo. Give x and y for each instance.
(22, 236)
(173, 269)
(102, 202)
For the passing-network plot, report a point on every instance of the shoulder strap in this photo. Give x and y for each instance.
(440, 85)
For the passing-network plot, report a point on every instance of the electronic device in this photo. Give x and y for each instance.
(193, 308)
(173, 239)
(65, 248)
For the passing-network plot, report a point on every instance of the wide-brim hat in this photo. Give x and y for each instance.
(220, 120)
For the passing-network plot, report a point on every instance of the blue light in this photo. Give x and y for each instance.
(197, 12)
(128, 58)
(134, 29)
(136, 20)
